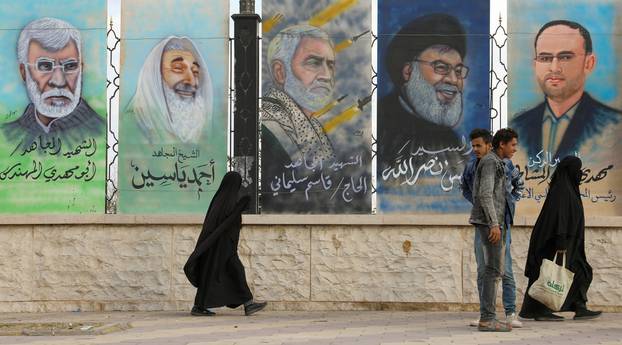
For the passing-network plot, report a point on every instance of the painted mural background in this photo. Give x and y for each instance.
(173, 106)
(62, 171)
(319, 162)
(420, 162)
(593, 134)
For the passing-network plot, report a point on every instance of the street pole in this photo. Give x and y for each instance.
(246, 105)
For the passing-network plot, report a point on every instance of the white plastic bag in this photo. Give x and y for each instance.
(551, 288)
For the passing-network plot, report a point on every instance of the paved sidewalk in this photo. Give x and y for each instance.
(313, 328)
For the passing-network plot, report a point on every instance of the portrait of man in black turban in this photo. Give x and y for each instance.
(425, 63)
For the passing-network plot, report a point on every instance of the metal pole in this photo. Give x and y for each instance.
(246, 106)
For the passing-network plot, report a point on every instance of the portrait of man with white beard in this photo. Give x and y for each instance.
(173, 99)
(301, 61)
(51, 66)
(417, 121)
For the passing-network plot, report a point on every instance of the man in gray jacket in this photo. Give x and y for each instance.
(488, 215)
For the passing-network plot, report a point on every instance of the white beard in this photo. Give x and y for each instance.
(304, 96)
(187, 114)
(53, 111)
(422, 97)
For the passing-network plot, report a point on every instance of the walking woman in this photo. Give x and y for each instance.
(561, 228)
(214, 266)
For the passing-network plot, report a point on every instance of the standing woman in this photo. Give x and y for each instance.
(561, 228)
(214, 266)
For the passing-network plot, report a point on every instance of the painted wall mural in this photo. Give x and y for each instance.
(173, 106)
(52, 106)
(564, 96)
(432, 91)
(316, 107)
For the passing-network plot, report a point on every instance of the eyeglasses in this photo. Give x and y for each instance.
(444, 68)
(561, 58)
(46, 65)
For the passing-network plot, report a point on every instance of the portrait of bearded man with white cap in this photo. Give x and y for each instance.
(49, 53)
(173, 99)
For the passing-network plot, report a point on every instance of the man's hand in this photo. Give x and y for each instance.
(495, 234)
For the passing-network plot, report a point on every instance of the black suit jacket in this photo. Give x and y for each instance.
(589, 120)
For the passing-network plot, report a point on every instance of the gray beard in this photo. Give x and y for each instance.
(187, 115)
(304, 96)
(52, 111)
(421, 96)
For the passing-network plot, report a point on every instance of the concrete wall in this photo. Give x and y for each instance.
(113, 262)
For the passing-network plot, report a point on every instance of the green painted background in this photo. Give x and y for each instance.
(144, 24)
(20, 195)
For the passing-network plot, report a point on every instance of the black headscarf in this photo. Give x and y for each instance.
(224, 213)
(222, 203)
(568, 174)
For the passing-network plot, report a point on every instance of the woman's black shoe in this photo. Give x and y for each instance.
(254, 307)
(198, 311)
(586, 314)
(549, 317)
(525, 315)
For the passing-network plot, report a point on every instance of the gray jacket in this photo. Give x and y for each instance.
(489, 192)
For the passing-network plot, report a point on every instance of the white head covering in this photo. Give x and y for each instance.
(149, 103)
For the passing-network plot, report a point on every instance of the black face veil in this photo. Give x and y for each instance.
(568, 174)
(223, 203)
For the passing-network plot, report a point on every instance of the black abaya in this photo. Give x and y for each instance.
(214, 266)
(560, 226)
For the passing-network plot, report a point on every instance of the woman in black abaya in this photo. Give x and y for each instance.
(561, 227)
(214, 266)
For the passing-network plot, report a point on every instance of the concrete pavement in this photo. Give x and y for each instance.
(231, 327)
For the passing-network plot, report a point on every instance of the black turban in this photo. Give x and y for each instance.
(420, 34)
